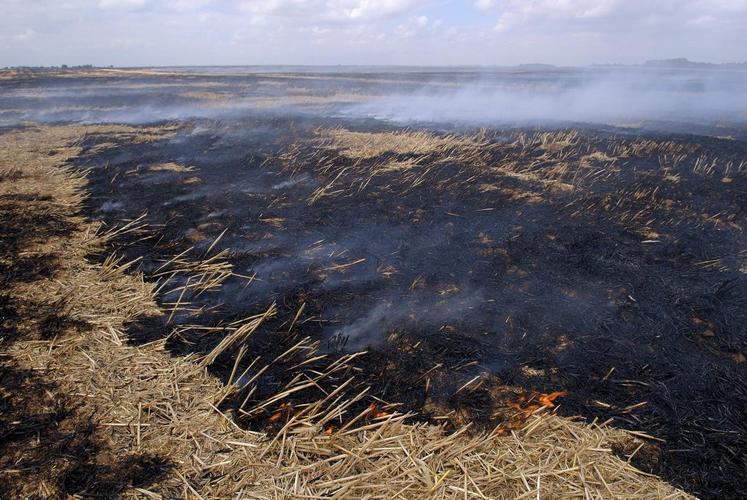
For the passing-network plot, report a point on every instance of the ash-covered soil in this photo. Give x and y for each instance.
(599, 268)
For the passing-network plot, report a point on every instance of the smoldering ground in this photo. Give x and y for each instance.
(362, 261)
(602, 263)
(547, 288)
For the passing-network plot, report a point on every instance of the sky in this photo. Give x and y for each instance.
(369, 32)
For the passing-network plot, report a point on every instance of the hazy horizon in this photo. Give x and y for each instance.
(531, 65)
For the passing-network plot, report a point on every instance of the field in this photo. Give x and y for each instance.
(233, 282)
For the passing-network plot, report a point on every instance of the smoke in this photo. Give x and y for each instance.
(421, 310)
(161, 101)
(547, 98)
(499, 97)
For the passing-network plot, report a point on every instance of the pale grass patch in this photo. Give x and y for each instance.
(170, 167)
(366, 145)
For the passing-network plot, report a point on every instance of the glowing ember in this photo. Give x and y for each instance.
(373, 411)
(285, 411)
(548, 399)
(528, 405)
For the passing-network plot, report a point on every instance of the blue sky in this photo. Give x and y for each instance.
(416, 32)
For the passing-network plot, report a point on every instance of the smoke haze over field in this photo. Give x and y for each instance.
(595, 97)
(470, 96)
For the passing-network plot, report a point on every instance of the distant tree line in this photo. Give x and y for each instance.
(682, 62)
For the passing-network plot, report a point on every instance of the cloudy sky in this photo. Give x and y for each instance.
(417, 32)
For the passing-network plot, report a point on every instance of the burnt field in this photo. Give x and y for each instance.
(467, 273)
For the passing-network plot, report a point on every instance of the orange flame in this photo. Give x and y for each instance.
(525, 406)
(373, 411)
(285, 411)
(528, 405)
(548, 399)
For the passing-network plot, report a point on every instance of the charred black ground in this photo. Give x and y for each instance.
(621, 283)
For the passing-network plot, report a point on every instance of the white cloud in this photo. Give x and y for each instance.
(367, 9)
(283, 7)
(25, 35)
(340, 10)
(484, 4)
(121, 4)
(369, 31)
(506, 21)
(188, 5)
(18, 36)
(575, 16)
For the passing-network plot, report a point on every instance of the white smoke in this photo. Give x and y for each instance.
(609, 97)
